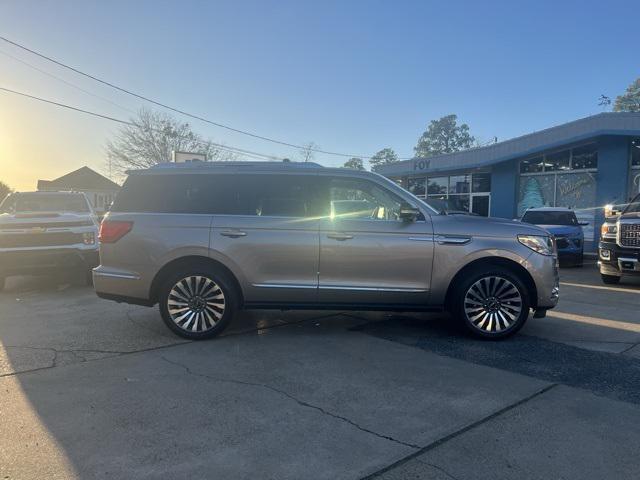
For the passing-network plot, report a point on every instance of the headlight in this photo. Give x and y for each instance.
(608, 229)
(537, 243)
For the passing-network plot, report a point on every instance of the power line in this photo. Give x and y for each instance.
(44, 72)
(133, 124)
(177, 110)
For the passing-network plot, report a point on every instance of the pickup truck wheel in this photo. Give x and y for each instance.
(196, 303)
(492, 304)
(610, 279)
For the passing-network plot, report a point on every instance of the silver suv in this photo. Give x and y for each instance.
(205, 240)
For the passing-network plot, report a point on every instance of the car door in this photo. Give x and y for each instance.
(368, 254)
(271, 237)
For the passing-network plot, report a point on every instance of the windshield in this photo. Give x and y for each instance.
(634, 206)
(45, 202)
(550, 218)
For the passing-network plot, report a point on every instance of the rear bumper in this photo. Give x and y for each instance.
(31, 262)
(617, 261)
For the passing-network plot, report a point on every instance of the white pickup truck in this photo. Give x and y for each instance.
(45, 232)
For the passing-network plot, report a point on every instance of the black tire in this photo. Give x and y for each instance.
(503, 311)
(203, 317)
(88, 277)
(610, 279)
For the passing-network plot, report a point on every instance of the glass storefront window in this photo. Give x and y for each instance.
(635, 152)
(437, 185)
(459, 184)
(459, 202)
(585, 157)
(481, 183)
(417, 185)
(532, 165)
(557, 161)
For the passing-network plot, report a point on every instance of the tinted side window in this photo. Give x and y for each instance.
(225, 194)
(170, 194)
(273, 195)
(360, 199)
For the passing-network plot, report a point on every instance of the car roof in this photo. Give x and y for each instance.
(549, 209)
(249, 167)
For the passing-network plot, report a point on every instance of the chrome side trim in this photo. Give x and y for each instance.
(283, 285)
(373, 289)
(422, 239)
(126, 276)
(452, 240)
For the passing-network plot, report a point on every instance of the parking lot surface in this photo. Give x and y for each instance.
(94, 389)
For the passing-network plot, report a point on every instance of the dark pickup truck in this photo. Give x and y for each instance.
(619, 247)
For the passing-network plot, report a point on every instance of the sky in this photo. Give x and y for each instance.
(351, 76)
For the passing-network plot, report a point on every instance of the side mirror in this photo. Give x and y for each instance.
(408, 213)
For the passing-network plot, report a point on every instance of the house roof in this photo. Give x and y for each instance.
(82, 179)
(572, 132)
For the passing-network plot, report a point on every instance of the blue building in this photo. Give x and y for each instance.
(583, 165)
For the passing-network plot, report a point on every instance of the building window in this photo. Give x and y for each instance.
(417, 186)
(635, 152)
(437, 185)
(481, 183)
(459, 184)
(532, 165)
(554, 162)
(584, 158)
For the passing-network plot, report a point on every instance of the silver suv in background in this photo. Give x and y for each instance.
(205, 240)
(44, 232)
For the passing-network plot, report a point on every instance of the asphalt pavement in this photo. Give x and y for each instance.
(93, 389)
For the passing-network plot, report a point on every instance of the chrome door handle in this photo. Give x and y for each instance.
(339, 236)
(233, 233)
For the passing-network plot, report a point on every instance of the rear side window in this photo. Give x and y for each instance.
(228, 194)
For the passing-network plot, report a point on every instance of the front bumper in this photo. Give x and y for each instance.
(30, 262)
(545, 274)
(618, 261)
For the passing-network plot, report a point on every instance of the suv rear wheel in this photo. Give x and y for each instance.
(197, 303)
(491, 304)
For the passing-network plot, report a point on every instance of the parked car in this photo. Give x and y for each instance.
(44, 232)
(205, 240)
(563, 224)
(619, 247)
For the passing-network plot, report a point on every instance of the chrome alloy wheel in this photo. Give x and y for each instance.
(493, 304)
(196, 304)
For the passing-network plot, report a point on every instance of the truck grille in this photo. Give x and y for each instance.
(630, 235)
(26, 240)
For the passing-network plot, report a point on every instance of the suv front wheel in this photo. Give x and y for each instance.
(196, 303)
(491, 304)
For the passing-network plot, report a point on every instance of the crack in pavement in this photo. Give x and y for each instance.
(437, 467)
(117, 353)
(291, 397)
(457, 433)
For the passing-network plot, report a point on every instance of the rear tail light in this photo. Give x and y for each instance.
(113, 230)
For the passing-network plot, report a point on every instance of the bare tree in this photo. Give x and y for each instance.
(307, 151)
(150, 140)
(4, 190)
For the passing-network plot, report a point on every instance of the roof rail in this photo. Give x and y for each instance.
(237, 164)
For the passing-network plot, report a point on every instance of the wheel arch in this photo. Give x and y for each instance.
(484, 262)
(193, 260)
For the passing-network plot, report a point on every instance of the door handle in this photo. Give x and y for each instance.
(233, 233)
(339, 236)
